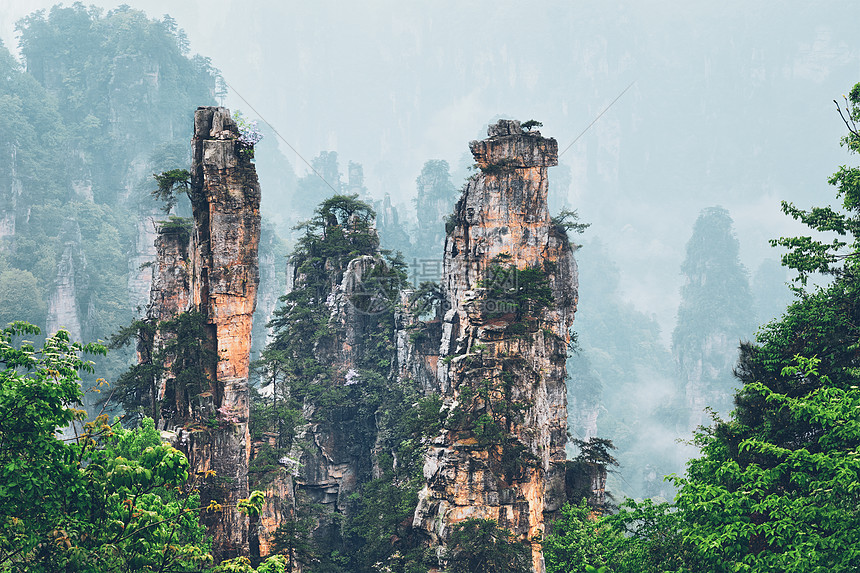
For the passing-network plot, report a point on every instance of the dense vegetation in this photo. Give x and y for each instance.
(776, 483)
(360, 407)
(107, 499)
(105, 99)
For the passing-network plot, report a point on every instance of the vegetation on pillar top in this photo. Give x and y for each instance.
(340, 230)
(249, 134)
(528, 125)
(507, 148)
(174, 225)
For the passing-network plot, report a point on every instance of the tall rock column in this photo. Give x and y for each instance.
(225, 199)
(511, 288)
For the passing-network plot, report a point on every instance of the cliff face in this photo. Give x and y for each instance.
(225, 200)
(211, 269)
(335, 456)
(141, 259)
(169, 295)
(170, 291)
(68, 296)
(503, 350)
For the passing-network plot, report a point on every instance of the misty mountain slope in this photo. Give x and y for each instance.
(101, 102)
(716, 314)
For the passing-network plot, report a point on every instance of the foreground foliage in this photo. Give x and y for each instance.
(106, 499)
(777, 485)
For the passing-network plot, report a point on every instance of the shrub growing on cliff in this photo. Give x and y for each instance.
(183, 347)
(531, 124)
(249, 134)
(481, 546)
(169, 185)
(568, 220)
(525, 293)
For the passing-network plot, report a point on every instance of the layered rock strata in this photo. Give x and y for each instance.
(214, 272)
(503, 350)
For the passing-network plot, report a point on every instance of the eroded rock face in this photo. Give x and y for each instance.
(225, 200)
(278, 507)
(332, 460)
(492, 355)
(214, 272)
(417, 346)
(170, 291)
(169, 295)
(142, 260)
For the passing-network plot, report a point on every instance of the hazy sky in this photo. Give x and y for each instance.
(732, 101)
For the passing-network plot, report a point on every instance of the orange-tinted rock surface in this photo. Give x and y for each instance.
(225, 199)
(216, 275)
(500, 367)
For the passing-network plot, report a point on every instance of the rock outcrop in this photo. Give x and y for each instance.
(210, 271)
(332, 458)
(510, 284)
(142, 259)
(64, 304)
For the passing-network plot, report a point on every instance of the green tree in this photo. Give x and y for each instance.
(755, 505)
(481, 546)
(434, 201)
(21, 297)
(776, 485)
(525, 293)
(577, 540)
(107, 499)
(171, 352)
(292, 539)
(361, 409)
(169, 184)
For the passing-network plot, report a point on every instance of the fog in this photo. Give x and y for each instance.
(730, 104)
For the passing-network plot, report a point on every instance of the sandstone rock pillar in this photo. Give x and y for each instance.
(225, 199)
(502, 356)
(207, 271)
